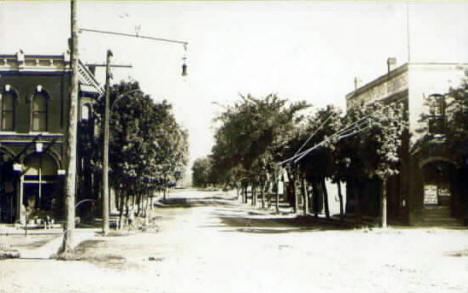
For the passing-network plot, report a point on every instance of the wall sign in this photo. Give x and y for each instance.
(430, 195)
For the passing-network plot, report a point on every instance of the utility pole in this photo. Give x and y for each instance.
(70, 180)
(105, 164)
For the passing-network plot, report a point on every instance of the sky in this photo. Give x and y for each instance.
(300, 50)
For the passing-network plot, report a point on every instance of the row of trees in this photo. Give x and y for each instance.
(148, 148)
(261, 142)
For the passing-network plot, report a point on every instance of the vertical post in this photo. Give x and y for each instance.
(296, 193)
(278, 181)
(340, 195)
(19, 199)
(383, 204)
(40, 184)
(70, 180)
(105, 165)
(306, 197)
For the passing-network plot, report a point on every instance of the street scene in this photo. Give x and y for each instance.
(210, 242)
(233, 146)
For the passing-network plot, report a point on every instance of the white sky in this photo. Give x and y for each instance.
(300, 50)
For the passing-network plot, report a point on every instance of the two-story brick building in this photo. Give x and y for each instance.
(430, 188)
(34, 116)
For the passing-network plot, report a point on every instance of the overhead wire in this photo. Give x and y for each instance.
(340, 134)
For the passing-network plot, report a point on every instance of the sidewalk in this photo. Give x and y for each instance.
(10, 229)
(51, 247)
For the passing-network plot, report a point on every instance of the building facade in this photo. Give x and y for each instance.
(34, 116)
(430, 188)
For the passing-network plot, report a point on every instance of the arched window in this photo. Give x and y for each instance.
(39, 112)
(7, 111)
(437, 112)
(85, 112)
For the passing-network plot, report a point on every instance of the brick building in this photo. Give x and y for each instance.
(430, 188)
(34, 115)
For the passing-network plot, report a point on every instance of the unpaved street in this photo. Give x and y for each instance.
(210, 244)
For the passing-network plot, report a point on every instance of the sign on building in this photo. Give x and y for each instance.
(430, 194)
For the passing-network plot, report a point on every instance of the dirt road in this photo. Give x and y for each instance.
(208, 244)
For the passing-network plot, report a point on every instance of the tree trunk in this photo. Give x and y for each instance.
(340, 196)
(127, 207)
(123, 196)
(315, 197)
(138, 204)
(296, 198)
(270, 194)
(254, 195)
(146, 215)
(70, 180)
(277, 196)
(262, 193)
(118, 199)
(383, 204)
(305, 196)
(325, 199)
(145, 205)
(245, 194)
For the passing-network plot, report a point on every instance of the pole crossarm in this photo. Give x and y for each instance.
(134, 36)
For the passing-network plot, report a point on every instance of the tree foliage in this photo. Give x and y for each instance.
(202, 172)
(449, 113)
(148, 149)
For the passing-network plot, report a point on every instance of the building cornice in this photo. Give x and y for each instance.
(405, 67)
(37, 63)
(381, 79)
(50, 64)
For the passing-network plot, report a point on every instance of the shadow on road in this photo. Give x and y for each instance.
(283, 225)
(180, 202)
(86, 251)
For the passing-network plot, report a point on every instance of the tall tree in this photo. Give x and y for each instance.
(374, 151)
(148, 148)
(249, 136)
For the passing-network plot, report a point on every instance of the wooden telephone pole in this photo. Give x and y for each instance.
(70, 180)
(105, 165)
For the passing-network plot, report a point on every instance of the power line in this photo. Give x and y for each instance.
(134, 36)
(352, 129)
(313, 134)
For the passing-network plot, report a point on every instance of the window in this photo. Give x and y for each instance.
(437, 114)
(7, 114)
(39, 112)
(85, 112)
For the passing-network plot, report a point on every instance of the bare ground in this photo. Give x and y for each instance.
(219, 245)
